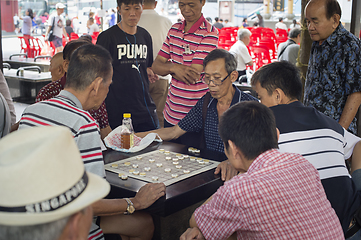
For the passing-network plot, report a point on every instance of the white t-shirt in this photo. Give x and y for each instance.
(59, 24)
(240, 52)
(93, 28)
(16, 20)
(281, 25)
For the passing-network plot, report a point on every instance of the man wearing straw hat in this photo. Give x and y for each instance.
(45, 197)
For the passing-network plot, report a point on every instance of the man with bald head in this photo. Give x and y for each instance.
(56, 67)
(333, 80)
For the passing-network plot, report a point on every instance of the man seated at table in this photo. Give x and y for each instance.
(220, 71)
(88, 78)
(53, 89)
(280, 195)
(56, 67)
(320, 139)
(36, 184)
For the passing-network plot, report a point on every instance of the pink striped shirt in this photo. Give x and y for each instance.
(279, 197)
(201, 38)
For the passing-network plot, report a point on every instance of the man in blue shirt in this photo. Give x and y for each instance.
(220, 71)
(334, 73)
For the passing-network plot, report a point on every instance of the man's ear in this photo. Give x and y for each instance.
(336, 20)
(96, 85)
(155, 4)
(233, 150)
(72, 227)
(280, 96)
(234, 76)
(65, 65)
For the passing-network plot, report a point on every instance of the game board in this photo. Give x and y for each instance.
(161, 166)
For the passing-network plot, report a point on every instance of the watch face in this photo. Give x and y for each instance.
(130, 209)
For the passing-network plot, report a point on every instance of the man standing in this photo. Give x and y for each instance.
(278, 196)
(182, 54)
(333, 80)
(131, 49)
(240, 51)
(288, 50)
(58, 23)
(281, 25)
(158, 27)
(217, 24)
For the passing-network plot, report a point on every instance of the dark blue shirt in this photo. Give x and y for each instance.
(193, 121)
(334, 72)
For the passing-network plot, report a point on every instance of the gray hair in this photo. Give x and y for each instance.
(229, 60)
(242, 33)
(294, 32)
(44, 231)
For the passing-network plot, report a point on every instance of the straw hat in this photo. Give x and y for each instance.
(43, 178)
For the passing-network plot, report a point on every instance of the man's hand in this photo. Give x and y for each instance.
(148, 194)
(186, 74)
(226, 169)
(192, 233)
(152, 76)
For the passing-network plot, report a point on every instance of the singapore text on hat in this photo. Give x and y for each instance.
(59, 5)
(43, 177)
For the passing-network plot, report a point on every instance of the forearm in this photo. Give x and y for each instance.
(106, 207)
(165, 134)
(162, 68)
(349, 112)
(48, 30)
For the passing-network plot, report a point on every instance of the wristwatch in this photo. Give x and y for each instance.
(130, 208)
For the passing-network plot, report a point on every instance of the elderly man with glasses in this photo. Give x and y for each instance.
(220, 71)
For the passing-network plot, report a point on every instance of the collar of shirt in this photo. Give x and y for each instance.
(72, 98)
(201, 22)
(236, 98)
(263, 161)
(63, 81)
(332, 39)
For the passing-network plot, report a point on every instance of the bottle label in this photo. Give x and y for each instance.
(131, 141)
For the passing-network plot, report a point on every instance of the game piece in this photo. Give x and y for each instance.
(160, 161)
(167, 151)
(161, 150)
(174, 175)
(201, 162)
(114, 165)
(123, 176)
(142, 174)
(175, 163)
(167, 170)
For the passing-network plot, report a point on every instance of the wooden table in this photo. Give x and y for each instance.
(25, 88)
(171, 212)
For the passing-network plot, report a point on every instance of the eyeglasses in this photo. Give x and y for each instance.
(216, 80)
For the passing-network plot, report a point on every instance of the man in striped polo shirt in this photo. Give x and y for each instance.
(88, 78)
(319, 138)
(181, 55)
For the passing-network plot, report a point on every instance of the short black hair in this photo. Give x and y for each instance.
(283, 75)
(68, 22)
(71, 46)
(86, 64)
(280, 19)
(229, 60)
(251, 126)
(332, 7)
(129, 2)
